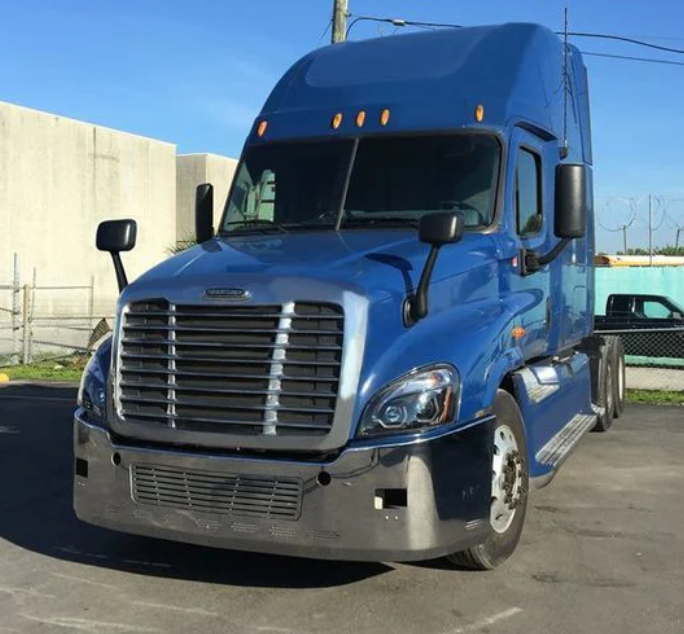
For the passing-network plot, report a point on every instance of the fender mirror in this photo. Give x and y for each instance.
(115, 236)
(436, 230)
(204, 212)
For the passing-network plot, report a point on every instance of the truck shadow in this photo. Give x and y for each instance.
(36, 513)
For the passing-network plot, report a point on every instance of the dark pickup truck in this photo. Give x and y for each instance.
(650, 325)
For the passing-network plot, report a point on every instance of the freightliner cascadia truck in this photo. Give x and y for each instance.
(388, 340)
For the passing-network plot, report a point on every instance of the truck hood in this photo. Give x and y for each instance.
(380, 264)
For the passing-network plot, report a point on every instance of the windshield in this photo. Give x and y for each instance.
(393, 181)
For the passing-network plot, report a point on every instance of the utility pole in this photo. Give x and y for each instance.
(650, 230)
(624, 238)
(339, 21)
(679, 230)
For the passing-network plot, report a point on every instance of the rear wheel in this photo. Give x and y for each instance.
(605, 398)
(510, 483)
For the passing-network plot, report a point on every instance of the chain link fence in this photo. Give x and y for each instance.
(654, 357)
(43, 322)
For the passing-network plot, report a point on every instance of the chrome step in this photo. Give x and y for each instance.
(554, 451)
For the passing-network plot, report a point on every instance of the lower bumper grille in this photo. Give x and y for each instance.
(203, 491)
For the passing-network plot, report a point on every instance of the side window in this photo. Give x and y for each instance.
(528, 208)
(254, 200)
(656, 310)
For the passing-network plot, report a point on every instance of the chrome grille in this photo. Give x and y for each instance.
(275, 498)
(231, 369)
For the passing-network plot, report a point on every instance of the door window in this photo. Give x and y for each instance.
(528, 193)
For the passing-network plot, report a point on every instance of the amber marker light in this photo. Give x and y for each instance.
(336, 121)
(479, 113)
(360, 118)
(518, 332)
(261, 128)
(384, 117)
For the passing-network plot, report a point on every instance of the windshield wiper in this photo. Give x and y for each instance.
(385, 221)
(261, 225)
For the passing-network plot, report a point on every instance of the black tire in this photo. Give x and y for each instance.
(499, 546)
(605, 399)
(619, 366)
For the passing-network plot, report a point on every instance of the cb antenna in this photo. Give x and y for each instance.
(564, 150)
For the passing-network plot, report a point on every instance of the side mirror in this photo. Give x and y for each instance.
(204, 212)
(439, 229)
(436, 230)
(571, 201)
(115, 236)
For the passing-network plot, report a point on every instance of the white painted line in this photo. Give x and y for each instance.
(177, 608)
(86, 625)
(23, 592)
(37, 398)
(490, 620)
(81, 580)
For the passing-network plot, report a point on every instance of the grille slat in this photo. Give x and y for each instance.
(227, 422)
(208, 344)
(223, 391)
(234, 314)
(214, 330)
(166, 357)
(222, 405)
(202, 491)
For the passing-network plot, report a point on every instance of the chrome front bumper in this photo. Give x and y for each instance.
(417, 500)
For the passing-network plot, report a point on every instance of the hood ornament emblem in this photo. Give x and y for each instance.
(235, 294)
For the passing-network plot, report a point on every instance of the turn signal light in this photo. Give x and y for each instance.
(479, 113)
(518, 332)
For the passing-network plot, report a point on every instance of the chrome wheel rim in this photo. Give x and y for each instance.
(621, 380)
(610, 394)
(507, 479)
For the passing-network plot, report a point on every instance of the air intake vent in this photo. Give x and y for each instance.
(204, 491)
(231, 369)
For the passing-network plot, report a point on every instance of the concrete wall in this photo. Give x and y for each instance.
(191, 170)
(58, 179)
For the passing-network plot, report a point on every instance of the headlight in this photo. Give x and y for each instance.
(424, 398)
(91, 392)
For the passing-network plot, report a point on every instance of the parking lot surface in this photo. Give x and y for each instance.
(602, 552)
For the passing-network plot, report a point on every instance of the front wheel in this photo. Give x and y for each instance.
(510, 484)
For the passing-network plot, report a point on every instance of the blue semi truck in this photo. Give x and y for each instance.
(389, 339)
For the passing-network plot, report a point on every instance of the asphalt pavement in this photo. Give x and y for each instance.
(602, 552)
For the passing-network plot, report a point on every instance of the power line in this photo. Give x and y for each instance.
(325, 31)
(629, 40)
(631, 58)
(401, 22)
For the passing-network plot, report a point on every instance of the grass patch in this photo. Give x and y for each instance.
(66, 369)
(655, 397)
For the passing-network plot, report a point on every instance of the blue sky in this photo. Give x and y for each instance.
(197, 73)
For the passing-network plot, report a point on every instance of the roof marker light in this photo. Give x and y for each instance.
(261, 129)
(360, 118)
(336, 121)
(384, 117)
(479, 113)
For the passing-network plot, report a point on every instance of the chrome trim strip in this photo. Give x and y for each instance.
(416, 439)
(369, 445)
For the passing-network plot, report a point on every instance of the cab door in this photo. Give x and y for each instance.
(531, 163)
